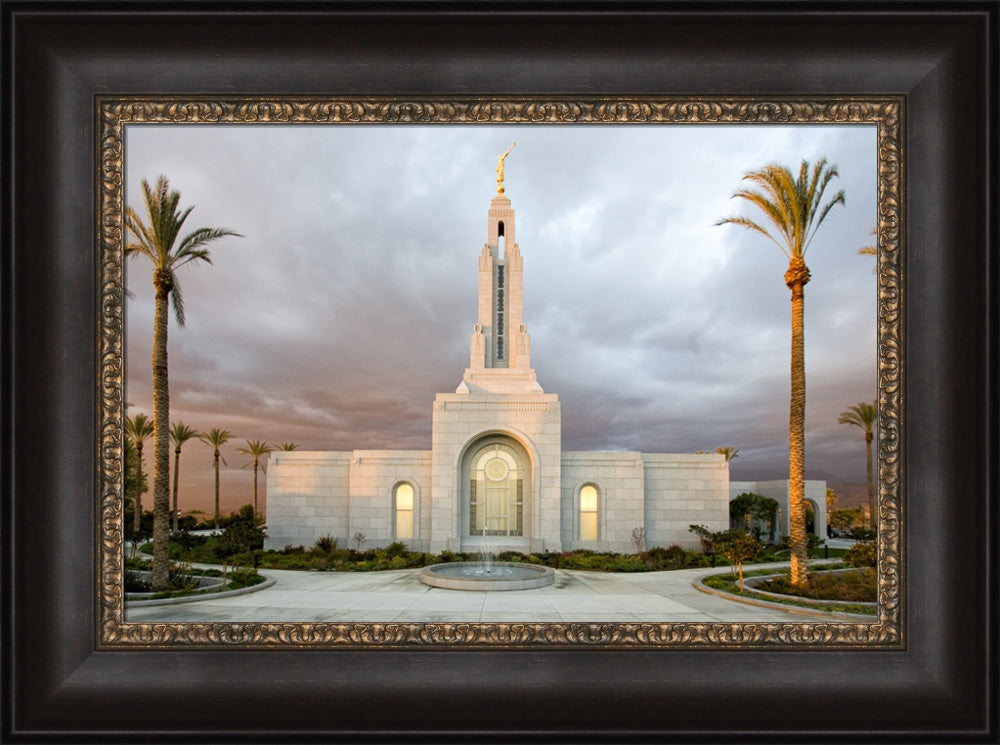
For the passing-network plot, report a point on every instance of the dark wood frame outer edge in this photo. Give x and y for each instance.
(56, 687)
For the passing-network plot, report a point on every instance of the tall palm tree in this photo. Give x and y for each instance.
(216, 438)
(793, 206)
(256, 449)
(864, 415)
(156, 238)
(729, 451)
(870, 250)
(179, 434)
(288, 446)
(139, 428)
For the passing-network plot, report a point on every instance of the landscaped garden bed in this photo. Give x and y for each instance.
(184, 581)
(832, 588)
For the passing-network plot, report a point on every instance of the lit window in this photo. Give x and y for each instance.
(588, 513)
(404, 511)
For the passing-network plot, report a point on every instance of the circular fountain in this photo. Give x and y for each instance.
(487, 576)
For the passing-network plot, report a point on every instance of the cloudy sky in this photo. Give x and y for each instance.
(349, 301)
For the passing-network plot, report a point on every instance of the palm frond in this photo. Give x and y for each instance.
(790, 204)
(750, 224)
(177, 301)
(181, 433)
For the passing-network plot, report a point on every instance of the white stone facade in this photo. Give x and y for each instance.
(496, 471)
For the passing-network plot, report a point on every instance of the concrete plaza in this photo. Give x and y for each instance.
(576, 596)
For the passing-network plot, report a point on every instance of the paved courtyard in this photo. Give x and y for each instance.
(401, 596)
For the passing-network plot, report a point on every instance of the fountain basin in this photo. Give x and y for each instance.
(478, 575)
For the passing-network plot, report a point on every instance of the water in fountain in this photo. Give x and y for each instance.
(486, 552)
(486, 574)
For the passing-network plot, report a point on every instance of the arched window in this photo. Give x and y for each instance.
(496, 492)
(404, 511)
(588, 513)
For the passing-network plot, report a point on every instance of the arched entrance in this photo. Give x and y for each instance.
(497, 506)
(496, 491)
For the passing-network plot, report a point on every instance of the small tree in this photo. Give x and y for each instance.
(242, 535)
(358, 538)
(639, 539)
(737, 546)
(756, 509)
(847, 518)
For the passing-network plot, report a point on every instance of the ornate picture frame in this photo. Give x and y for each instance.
(73, 671)
(115, 115)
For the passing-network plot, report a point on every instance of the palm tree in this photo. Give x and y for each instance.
(870, 250)
(863, 415)
(138, 427)
(729, 451)
(155, 239)
(288, 446)
(793, 206)
(179, 434)
(216, 438)
(256, 449)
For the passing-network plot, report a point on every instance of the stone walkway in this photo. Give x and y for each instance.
(399, 595)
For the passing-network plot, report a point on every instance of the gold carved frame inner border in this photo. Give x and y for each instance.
(114, 114)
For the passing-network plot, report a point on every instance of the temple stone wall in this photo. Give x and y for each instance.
(619, 479)
(307, 497)
(684, 490)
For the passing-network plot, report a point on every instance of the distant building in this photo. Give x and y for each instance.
(496, 470)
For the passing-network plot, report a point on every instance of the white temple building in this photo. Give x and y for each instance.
(496, 470)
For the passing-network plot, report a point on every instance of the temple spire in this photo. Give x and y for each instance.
(500, 347)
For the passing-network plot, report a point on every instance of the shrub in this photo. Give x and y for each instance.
(511, 556)
(396, 549)
(187, 540)
(326, 544)
(861, 555)
(659, 558)
(243, 578)
(856, 586)
(863, 534)
(133, 583)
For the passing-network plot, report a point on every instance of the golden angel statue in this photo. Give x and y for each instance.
(500, 169)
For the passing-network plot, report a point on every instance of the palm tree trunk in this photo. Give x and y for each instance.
(796, 277)
(161, 443)
(177, 473)
(255, 488)
(137, 522)
(216, 488)
(871, 482)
